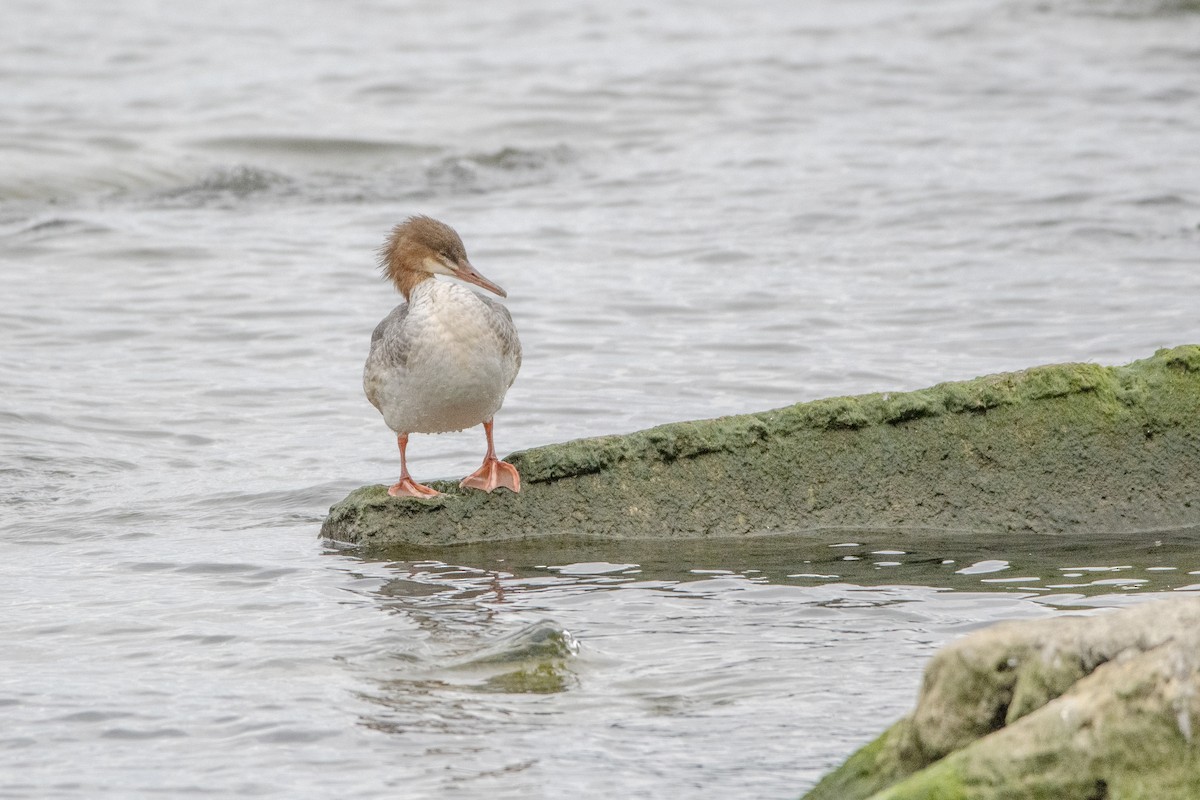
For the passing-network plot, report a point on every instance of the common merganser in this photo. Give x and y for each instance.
(444, 359)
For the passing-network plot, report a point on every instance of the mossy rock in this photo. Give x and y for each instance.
(1053, 449)
(1071, 708)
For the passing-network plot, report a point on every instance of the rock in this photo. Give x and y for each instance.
(1053, 449)
(1070, 708)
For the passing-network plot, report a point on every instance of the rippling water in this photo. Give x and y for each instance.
(696, 209)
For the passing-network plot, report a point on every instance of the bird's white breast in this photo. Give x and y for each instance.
(446, 364)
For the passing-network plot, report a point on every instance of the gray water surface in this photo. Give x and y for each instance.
(696, 210)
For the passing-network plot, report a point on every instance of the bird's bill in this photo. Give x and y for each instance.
(465, 272)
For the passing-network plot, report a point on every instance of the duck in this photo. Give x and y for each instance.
(443, 359)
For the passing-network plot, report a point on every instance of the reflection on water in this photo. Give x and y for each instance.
(1162, 560)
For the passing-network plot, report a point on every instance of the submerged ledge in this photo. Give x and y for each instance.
(1063, 448)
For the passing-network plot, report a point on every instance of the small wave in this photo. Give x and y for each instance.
(323, 147)
(232, 183)
(234, 171)
(54, 228)
(1167, 199)
(509, 167)
(539, 641)
(1124, 9)
(532, 660)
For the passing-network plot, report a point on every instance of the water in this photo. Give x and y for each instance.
(696, 210)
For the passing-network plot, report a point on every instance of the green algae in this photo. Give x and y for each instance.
(549, 678)
(872, 768)
(1051, 449)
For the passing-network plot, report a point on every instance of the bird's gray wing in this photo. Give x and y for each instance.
(390, 332)
(505, 331)
(388, 352)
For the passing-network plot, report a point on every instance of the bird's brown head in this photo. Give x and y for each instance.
(421, 247)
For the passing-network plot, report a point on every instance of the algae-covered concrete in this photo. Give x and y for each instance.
(1060, 448)
(1070, 708)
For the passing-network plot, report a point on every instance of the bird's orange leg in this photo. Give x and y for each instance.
(406, 486)
(494, 472)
